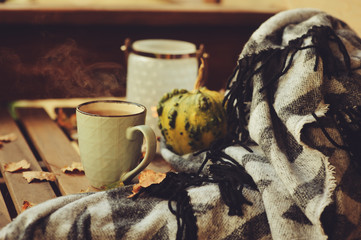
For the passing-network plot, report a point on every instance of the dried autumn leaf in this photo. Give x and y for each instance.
(65, 120)
(16, 166)
(26, 205)
(146, 178)
(8, 138)
(89, 189)
(74, 167)
(39, 175)
(112, 185)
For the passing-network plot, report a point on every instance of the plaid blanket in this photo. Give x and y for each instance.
(294, 104)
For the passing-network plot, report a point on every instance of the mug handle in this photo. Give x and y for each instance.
(151, 146)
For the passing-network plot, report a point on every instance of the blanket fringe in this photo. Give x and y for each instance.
(240, 88)
(239, 84)
(330, 187)
(173, 188)
(231, 176)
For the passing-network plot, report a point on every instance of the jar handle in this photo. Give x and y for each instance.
(126, 48)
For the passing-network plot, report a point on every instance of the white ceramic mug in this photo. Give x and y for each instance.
(157, 66)
(110, 135)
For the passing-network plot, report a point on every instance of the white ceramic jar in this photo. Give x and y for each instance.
(157, 66)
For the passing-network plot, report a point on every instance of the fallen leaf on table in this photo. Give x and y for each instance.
(8, 138)
(112, 185)
(39, 175)
(89, 189)
(146, 178)
(16, 166)
(66, 118)
(26, 205)
(74, 167)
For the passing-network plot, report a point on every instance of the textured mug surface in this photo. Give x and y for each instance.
(110, 135)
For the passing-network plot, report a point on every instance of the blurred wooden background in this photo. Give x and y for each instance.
(62, 49)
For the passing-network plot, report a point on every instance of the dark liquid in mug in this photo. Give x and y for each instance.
(110, 112)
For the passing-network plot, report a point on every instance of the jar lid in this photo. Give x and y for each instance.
(163, 48)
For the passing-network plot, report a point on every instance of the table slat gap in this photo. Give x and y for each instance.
(54, 148)
(20, 190)
(4, 213)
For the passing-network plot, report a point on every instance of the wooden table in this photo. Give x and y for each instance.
(43, 143)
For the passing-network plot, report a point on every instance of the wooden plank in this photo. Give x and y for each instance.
(20, 190)
(4, 214)
(54, 148)
(134, 17)
(136, 14)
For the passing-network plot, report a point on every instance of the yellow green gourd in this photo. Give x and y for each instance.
(191, 120)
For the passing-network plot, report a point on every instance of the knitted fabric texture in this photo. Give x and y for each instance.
(293, 105)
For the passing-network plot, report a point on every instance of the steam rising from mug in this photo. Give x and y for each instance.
(66, 70)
